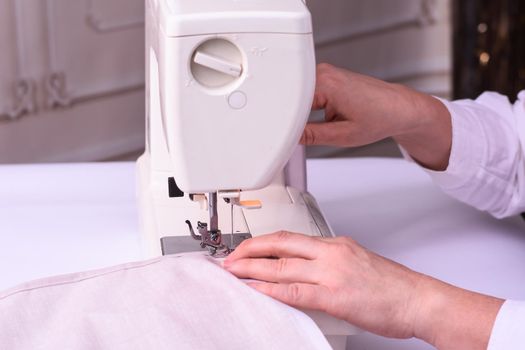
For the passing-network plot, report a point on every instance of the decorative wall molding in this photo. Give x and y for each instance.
(56, 91)
(21, 49)
(424, 15)
(24, 89)
(52, 58)
(24, 92)
(102, 25)
(67, 83)
(428, 14)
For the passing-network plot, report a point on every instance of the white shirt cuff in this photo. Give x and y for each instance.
(508, 332)
(467, 149)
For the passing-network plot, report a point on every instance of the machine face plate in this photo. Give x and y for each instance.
(186, 244)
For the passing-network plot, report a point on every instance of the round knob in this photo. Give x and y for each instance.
(216, 63)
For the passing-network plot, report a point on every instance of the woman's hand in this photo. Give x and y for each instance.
(340, 277)
(333, 275)
(360, 110)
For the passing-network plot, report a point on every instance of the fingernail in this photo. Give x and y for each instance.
(255, 285)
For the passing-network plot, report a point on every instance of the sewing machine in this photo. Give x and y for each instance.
(229, 89)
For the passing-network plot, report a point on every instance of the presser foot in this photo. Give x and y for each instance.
(186, 244)
(210, 241)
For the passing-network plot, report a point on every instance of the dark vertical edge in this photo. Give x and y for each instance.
(504, 41)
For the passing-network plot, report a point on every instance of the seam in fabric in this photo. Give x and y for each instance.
(94, 275)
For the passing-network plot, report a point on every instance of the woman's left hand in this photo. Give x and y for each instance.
(336, 275)
(345, 280)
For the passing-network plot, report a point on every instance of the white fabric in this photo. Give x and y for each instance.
(176, 302)
(487, 171)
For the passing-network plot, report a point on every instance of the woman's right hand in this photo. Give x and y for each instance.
(360, 110)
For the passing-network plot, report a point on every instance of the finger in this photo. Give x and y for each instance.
(284, 270)
(300, 295)
(331, 115)
(328, 134)
(280, 245)
(320, 101)
(323, 91)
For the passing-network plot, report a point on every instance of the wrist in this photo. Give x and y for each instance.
(427, 136)
(453, 318)
(419, 111)
(431, 300)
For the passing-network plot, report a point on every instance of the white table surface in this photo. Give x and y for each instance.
(57, 219)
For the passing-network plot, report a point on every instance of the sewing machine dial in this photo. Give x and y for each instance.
(217, 63)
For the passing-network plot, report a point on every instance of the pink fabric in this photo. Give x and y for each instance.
(177, 302)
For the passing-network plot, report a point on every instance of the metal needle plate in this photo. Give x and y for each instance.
(185, 244)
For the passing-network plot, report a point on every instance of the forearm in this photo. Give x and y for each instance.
(427, 136)
(452, 318)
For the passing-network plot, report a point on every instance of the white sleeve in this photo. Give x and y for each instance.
(508, 332)
(487, 162)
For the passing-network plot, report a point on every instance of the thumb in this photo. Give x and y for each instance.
(327, 134)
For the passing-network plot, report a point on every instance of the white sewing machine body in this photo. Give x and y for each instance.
(229, 88)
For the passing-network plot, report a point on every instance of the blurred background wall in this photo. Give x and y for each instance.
(71, 79)
(71, 72)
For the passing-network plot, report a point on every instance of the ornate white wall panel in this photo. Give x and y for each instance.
(16, 89)
(115, 15)
(84, 62)
(8, 58)
(96, 47)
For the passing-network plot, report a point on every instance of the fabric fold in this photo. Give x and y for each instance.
(175, 302)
